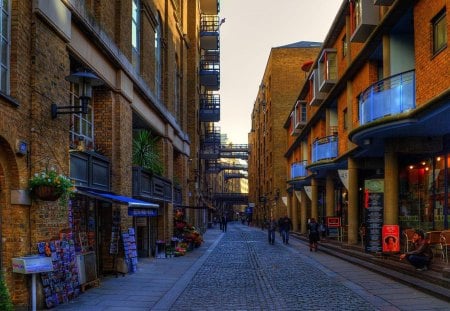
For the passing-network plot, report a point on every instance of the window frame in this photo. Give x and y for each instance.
(439, 23)
(158, 59)
(136, 30)
(84, 122)
(5, 46)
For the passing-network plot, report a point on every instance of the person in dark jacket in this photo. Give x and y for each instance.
(313, 234)
(285, 228)
(271, 228)
(421, 255)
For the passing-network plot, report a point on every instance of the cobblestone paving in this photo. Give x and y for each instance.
(244, 272)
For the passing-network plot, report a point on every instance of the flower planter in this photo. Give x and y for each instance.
(46, 193)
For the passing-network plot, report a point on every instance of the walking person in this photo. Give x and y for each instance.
(224, 221)
(286, 226)
(313, 234)
(271, 228)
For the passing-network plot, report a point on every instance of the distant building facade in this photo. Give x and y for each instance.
(279, 87)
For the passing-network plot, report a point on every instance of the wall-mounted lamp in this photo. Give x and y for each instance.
(367, 141)
(86, 80)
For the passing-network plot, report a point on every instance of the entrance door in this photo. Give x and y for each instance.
(142, 237)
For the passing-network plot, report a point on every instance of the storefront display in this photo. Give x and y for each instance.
(62, 284)
(130, 251)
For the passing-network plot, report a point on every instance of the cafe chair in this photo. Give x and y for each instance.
(408, 235)
(445, 244)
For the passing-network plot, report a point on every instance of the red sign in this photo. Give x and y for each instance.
(333, 222)
(391, 238)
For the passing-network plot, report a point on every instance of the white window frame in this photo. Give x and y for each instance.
(136, 34)
(82, 125)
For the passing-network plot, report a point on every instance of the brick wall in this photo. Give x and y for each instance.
(432, 71)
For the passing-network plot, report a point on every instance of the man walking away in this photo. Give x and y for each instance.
(271, 228)
(313, 230)
(286, 226)
(224, 223)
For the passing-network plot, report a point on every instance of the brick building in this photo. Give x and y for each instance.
(141, 58)
(368, 140)
(279, 87)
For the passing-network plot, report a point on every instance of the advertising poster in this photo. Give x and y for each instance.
(373, 204)
(391, 238)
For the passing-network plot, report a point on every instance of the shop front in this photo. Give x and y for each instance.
(424, 192)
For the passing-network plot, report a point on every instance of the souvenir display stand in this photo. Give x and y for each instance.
(32, 265)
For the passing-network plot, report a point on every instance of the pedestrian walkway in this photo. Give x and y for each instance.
(239, 270)
(155, 285)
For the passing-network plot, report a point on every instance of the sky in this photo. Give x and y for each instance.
(251, 29)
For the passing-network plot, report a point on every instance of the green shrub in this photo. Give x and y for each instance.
(5, 300)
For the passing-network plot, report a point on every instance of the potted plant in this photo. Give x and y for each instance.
(145, 152)
(51, 186)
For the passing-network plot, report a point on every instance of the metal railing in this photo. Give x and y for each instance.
(390, 96)
(325, 148)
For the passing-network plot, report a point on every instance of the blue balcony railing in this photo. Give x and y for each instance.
(298, 169)
(390, 96)
(325, 148)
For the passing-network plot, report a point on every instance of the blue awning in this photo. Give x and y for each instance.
(111, 197)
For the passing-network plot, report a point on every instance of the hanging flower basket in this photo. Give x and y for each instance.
(47, 193)
(51, 186)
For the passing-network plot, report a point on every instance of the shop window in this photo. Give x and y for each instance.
(439, 32)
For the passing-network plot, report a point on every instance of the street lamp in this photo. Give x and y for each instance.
(86, 80)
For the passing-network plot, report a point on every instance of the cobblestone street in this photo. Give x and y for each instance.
(244, 272)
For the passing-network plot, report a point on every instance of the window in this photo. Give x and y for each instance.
(439, 32)
(345, 119)
(303, 112)
(135, 34)
(177, 83)
(4, 45)
(82, 127)
(158, 63)
(344, 46)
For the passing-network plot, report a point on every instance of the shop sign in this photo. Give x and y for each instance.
(32, 264)
(142, 212)
(333, 222)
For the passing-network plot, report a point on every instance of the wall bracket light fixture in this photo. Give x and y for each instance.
(86, 80)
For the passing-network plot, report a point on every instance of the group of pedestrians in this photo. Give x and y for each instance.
(284, 225)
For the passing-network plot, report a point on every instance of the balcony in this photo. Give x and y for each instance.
(327, 69)
(209, 32)
(325, 148)
(390, 96)
(209, 108)
(147, 186)
(210, 7)
(209, 151)
(210, 70)
(299, 115)
(298, 169)
(317, 97)
(234, 151)
(89, 169)
(364, 17)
